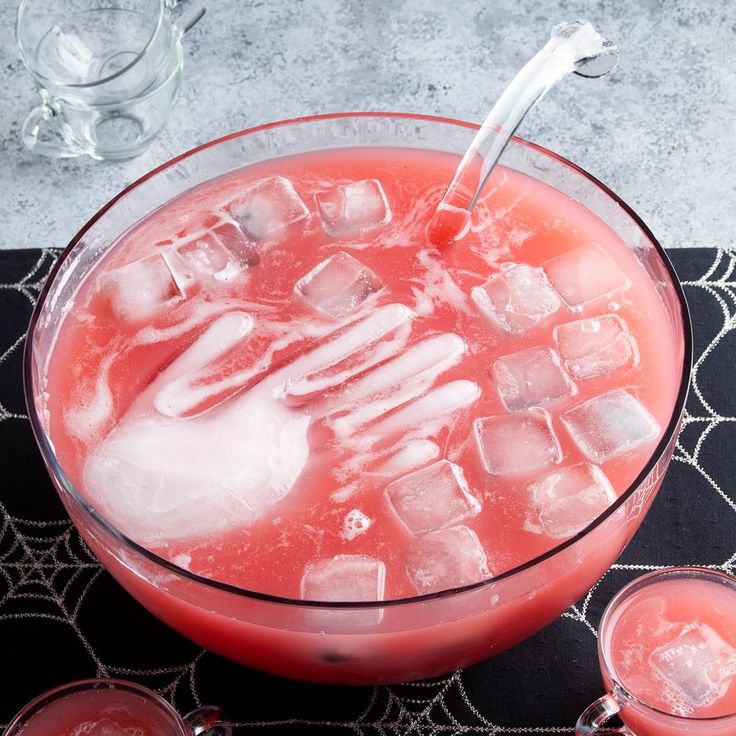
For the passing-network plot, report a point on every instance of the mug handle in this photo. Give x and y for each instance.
(185, 14)
(596, 714)
(45, 115)
(208, 721)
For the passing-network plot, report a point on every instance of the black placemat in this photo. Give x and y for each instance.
(62, 617)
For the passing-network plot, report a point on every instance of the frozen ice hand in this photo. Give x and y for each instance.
(161, 477)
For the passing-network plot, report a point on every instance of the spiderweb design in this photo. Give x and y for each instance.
(62, 617)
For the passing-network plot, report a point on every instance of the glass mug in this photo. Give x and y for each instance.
(645, 657)
(112, 708)
(108, 72)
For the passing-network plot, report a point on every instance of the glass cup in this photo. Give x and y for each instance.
(639, 718)
(108, 73)
(78, 707)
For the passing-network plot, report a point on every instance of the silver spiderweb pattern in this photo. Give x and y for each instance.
(62, 617)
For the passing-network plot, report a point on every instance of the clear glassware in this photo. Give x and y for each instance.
(639, 718)
(108, 74)
(81, 703)
(351, 642)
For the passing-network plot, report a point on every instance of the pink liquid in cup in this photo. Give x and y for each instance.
(111, 708)
(99, 713)
(668, 654)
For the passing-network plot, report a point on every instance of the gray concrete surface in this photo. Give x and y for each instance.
(660, 131)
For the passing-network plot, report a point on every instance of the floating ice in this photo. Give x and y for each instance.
(517, 444)
(446, 559)
(413, 454)
(267, 207)
(380, 336)
(344, 578)
(585, 274)
(516, 298)
(531, 378)
(138, 291)
(432, 498)
(160, 479)
(400, 380)
(338, 286)
(568, 499)
(177, 394)
(442, 401)
(220, 253)
(354, 208)
(354, 524)
(596, 346)
(698, 663)
(609, 425)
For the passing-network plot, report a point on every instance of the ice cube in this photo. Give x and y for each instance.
(698, 663)
(610, 424)
(187, 380)
(517, 444)
(585, 274)
(568, 499)
(432, 498)
(339, 285)
(596, 346)
(354, 208)
(267, 207)
(531, 378)
(138, 291)
(516, 298)
(449, 558)
(220, 253)
(344, 578)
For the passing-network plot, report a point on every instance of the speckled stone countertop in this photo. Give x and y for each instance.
(660, 131)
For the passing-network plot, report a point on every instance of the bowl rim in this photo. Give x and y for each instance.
(58, 474)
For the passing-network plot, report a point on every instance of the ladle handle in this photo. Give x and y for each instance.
(573, 47)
